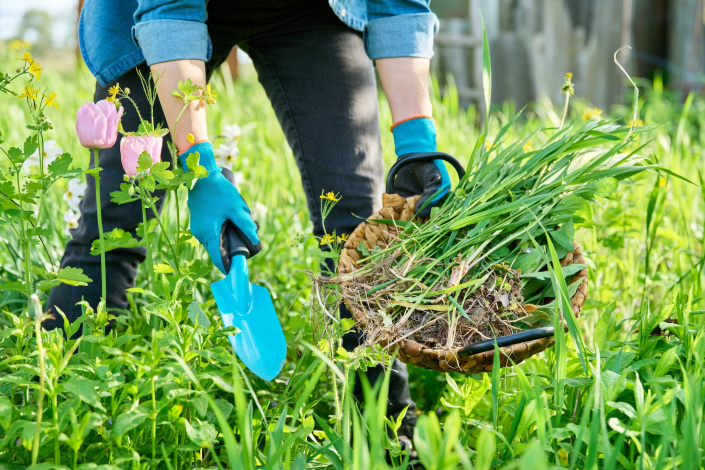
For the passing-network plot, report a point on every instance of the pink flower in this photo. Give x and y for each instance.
(131, 147)
(97, 124)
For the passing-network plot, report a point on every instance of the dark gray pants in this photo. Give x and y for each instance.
(322, 87)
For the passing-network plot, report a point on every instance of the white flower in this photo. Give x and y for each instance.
(74, 194)
(51, 152)
(71, 220)
(225, 155)
(259, 210)
(239, 178)
(232, 133)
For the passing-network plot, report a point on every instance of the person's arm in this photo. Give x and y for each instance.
(399, 38)
(174, 40)
(405, 83)
(173, 37)
(193, 119)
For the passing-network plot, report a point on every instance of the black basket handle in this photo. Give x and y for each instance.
(421, 157)
(504, 341)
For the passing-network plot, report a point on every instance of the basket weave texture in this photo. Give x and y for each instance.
(371, 234)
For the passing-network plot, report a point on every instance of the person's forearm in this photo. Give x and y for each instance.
(405, 83)
(193, 119)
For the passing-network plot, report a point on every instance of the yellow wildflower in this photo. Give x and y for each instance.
(528, 147)
(488, 145)
(18, 44)
(591, 113)
(661, 182)
(36, 70)
(330, 196)
(27, 57)
(343, 238)
(209, 95)
(636, 123)
(327, 239)
(50, 100)
(114, 90)
(569, 75)
(29, 93)
(190, 138)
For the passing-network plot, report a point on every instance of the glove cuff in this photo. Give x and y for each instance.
(206, 156)
(414, 135)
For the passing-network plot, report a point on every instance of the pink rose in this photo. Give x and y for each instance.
(131, 147)
(97, 124)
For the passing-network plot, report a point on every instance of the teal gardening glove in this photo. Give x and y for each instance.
(213, 201)
(430, 179)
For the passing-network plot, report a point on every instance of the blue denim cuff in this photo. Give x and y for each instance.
(165, 40)
(401, 36)
(414, 136)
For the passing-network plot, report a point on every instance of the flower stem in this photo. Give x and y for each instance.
(154, 420)
(96, 175)
(145, 234)
(42, 369)
(565, 110)
(25, 241)
(55, 409)
(166, 238)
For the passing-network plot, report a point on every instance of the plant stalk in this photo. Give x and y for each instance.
(42, 370)
(103, 280)
(145, 234)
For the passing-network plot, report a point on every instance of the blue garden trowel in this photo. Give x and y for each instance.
(260, 344)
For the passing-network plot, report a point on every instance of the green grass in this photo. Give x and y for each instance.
(163, 392)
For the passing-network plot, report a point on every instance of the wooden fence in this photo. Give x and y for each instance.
(533, 44)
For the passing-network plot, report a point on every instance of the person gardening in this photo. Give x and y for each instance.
(316, 62)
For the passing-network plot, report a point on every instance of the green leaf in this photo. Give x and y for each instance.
(116, 238)
(193, 166)
(475, 394)
(563, 237)
(73, 276)
(144, 162)
(197, 315)
(128, 420)
(31, 144)
(125, 195)
(528, 262)
(606, 327)
(5, 412)
(486, 76)
(13, 286)
(163, 268)
(84, 389)
(60, 167)
(15, 155)
(201, 434)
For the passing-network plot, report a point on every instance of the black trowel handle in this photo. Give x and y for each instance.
(234, 245)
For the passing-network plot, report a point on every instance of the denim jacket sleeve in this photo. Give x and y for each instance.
(399, 28)
(171, 30)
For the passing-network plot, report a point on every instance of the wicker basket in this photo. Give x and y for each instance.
(373, 234)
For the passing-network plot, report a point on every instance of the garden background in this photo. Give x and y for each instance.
(164, 390)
